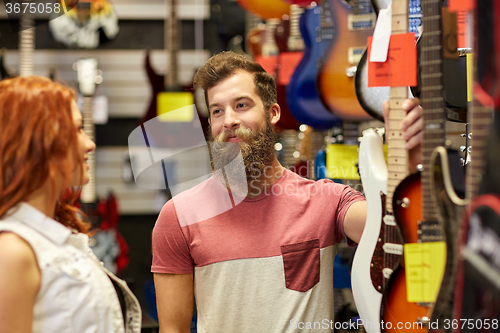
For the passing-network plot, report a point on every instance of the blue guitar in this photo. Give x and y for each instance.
(302, 92)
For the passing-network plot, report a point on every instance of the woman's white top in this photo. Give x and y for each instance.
(76, 293)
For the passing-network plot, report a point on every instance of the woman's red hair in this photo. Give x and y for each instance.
(37, 134)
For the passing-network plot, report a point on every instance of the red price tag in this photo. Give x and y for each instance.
(288, 63)
(268, 63)
(458, 5)
(400, 68)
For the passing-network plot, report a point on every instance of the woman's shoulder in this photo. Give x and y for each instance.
(18, 258)
(15, 250)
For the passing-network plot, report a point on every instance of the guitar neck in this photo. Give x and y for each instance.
(432, 99)
(26, 45)
(295, 41)
(270, 47)
(396, 150)
(88, 191)
(172, 44)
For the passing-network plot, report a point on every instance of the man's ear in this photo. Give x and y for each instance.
(275, 113)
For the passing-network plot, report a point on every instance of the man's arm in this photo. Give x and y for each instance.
(174, 299)
(354, 221)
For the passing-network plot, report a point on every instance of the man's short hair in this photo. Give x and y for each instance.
(227, 63)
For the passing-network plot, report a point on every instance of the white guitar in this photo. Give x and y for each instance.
(372, 162)
(380, 248)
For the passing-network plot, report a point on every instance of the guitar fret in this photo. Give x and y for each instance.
(432, 62)
(435, 100)
(398, 168)
(432, 88)
(426, 18)
(395, 160)
(394, 179)
(432, 75)
(433, 33)
(432, 48)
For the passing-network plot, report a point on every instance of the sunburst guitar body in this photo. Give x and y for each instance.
(353, 25)
(407, 206)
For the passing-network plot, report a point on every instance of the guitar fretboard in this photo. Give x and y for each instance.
(171, 43)
(432, 99)
(270, 47)
(26, 45)
(396, 151)
(295, 41)
(88, 191)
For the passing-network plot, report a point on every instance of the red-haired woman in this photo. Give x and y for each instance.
(50, 281)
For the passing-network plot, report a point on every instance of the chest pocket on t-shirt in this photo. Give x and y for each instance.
(301, 262)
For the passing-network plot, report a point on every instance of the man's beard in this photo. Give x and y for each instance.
(257, 150)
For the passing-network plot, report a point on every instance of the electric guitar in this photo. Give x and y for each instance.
(103, 212)
(166, 88)
(290, 46)
(422, 227)
(352, 25)
(88, 77)
(302, 91)
(254, 39)
(454, 70)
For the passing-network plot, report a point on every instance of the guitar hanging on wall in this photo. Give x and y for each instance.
(290, 46)
(88, 77)
(302, 90)
(169, 95)
(353, 24)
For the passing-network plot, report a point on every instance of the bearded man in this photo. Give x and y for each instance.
(265, 264)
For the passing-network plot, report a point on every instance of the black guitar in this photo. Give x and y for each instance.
(161, 133)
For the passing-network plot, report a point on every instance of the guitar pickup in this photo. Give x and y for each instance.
(355, 54)
(429, 231)
(361, 21)
(390, 220)
(392, 248)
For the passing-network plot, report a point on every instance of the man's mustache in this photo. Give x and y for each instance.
(241, 133)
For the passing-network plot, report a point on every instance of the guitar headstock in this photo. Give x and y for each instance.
(88, 75)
